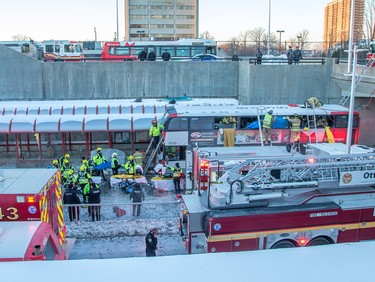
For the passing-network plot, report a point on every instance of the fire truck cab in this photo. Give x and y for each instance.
(265, 200)
(31, 215)
(62, 51)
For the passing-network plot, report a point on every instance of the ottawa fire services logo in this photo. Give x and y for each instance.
(347, 178)
(196, 135)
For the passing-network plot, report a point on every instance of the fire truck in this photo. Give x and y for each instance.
(32, 223)
(62, 51)
(258, 198)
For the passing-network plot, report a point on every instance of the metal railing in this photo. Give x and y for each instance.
(284, 61)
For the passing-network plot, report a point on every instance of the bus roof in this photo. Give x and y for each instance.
(253, 110)
(180, 42)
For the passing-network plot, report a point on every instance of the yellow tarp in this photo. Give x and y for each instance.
(329, 134)
(229, 134)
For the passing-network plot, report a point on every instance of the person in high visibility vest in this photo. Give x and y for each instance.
(83, 177)
(115, 164)
(138, 157)
(69, 180)
(55, 164)
(130, 166)
(295, 128)
(92, 192)
(155, 132)
(177, 174)
(267, 121)
(62, 159)
(313, 102)
(99, 159)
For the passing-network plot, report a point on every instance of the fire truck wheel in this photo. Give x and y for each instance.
(283, 244)
(320, 241)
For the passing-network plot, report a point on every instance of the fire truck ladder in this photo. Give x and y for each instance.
(295, 171)
(311, 122)
(359, 78)
(153, 153)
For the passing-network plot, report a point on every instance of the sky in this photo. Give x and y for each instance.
(75, 20)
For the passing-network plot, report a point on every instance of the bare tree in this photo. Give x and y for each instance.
(257, 34)
(244, 37)
(206, 34)
(303, 38)
(231, 46)
(20, 37)
(369, 27)
(274, 42)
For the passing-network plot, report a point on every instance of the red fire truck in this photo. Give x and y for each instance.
(62, 51)
(267, 198)
(31, 215)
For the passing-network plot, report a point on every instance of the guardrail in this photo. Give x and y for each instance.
(284, 61)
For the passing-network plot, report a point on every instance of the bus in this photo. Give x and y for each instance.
(180, 49)
(187, 128)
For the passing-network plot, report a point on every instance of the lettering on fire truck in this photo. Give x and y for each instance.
(322, 214)
(10, 213)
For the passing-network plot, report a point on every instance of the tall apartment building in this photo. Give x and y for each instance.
(337, 22)
(161, 19)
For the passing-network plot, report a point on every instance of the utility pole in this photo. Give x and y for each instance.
(280, 31)
(269, 27)
(96, 37)
(117, 36)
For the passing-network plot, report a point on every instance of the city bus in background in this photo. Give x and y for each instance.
(370, 55)
(180, 49)
(188, 128)
(62, 51)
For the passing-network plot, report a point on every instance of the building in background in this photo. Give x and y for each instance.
(161, 19)
(337, 23)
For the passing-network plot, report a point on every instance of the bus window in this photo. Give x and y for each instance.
(341, 121)
(201, 123)
(197, 50)
(182, 51)
(111, 51)
(122, 50)
(57, 48)
(136, 50)
(173, 153)
(49, 49)
(178, 124)
(249, 123)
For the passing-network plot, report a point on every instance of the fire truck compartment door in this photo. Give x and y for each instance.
(198, 243)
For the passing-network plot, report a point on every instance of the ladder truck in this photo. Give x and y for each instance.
(268, 198)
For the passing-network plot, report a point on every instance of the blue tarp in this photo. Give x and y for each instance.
(280, 122)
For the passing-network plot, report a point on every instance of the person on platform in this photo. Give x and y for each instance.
(267, 121)
(155, 132)
(177, 174)
(137, 195)
(289, 55)
(70, 197)
(130, 166)
(151, 242)
(166, 56)
(99, 159)
(115, 164)
(142, 56)
(83, 177)
(258, 56)
(295, 128)
(235, 57)
(93, 197)
(151, 56)
(297, 55)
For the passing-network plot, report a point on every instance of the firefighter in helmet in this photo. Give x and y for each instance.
(99, 159)
(155, 132)
(130, 166)
(267, 121)
(295, 128)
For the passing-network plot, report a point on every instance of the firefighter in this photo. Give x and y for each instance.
(295, 128)
(69, 179)
(85, 163)
(130, 166)
(55, 164)
(137, 195)
(92, 191)
(83, 177)
(177, 174)
(99, 159)
(62, 159)
(138, 157)
(151, 242)
(115, 164)
(155, 132)
(267, 121)
(70, 197)
(313, 102)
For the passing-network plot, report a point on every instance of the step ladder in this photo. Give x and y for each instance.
(296, 171)
(262, 111)
(359, 78)
(311, 122)
(153, 153)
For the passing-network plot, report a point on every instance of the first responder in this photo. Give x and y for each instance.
(138, 157)
(313, 102)
(70, 197)
(83, 177)
(115, 164)
(137, 195)
(295, 128)
(55, 164)
(267, 121)
(177, 174)
(69, 179)
(93, 197)
(130, 166)
(151, 242)
(62, 159)
(155, 132)
(99, 159)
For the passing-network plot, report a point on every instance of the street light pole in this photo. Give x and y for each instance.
(299, 39)
(269, 27)
(117, 20)
(280, 31)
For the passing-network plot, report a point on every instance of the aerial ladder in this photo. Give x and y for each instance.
(264, 175)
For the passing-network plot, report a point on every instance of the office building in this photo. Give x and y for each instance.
(337, 23)
(161, 19)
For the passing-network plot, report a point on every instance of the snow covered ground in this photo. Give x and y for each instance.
(124, 236)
